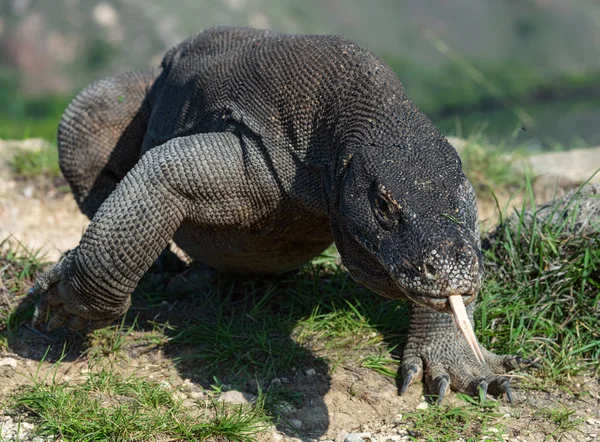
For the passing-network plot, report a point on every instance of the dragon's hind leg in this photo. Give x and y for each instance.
(100, 135)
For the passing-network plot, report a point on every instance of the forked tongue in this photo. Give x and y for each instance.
(459, 313)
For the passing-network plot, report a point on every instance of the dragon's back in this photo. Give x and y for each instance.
(289, 90)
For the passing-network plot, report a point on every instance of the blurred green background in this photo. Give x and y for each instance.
(472, 65)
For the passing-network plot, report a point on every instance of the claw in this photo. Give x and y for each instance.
(505, 388)
(41, 313)
(482, 389)
(462, 321)
(527, 362)
(442, 387)
(408, 377)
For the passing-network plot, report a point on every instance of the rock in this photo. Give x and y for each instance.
(179, 396)
(189, 403)
(358, 437)
(10, 362)
(296, 423)
(236, 397)
(285, 408)
(593, 422)
(310, 372)
(196, 395)
(28, 191)
(354, 437)
(576, 164)
(423, 406)
(252, 386)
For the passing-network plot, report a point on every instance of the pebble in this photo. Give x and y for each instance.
(296, 423)
(178, 395)
(594, 422)
(28, 191)
(196, 395)
(11, 362)
(310, 372)
(188, 403)
(236, 397)
(423, 406)
(356, 437)
(285, 408)
(11, 430)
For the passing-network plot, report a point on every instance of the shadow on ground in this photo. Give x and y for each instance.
(279, 338)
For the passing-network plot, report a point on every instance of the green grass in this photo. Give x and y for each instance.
(541, 296)
(105, 406)
(471, 420)
(490, 167)
(38, 163)
(262, 328)
(18, 267)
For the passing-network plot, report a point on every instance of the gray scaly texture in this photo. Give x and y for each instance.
(253, 151)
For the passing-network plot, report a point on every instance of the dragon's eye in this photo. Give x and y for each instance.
(387, 210)
(383, 207)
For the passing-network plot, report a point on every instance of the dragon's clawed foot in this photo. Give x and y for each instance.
(438, 354)
(60, 305)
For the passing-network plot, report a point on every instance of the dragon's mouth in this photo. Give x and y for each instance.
(440, 302)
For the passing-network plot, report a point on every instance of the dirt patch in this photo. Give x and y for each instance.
(36, 215)
(333, 403)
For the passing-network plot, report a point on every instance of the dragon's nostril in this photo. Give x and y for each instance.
(429, 271)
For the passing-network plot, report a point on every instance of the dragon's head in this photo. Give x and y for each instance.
(407, 226)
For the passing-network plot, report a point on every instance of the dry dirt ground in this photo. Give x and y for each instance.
(336, 400)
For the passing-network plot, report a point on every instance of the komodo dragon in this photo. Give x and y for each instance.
(254, 150)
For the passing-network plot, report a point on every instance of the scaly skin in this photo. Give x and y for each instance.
(253, 151)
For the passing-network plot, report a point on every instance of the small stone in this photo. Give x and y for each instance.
(252, 386)
(10, 362)
(423, 406)
(285, 408)
(593, 435)
(296, 423)
(354, 437)
(341, 436)
(276, 381)
(179, 396)
(310, 372)
(236, 397)
(196, 395)
(27, 426)
(28, 191)
(593, 422)
(188, 403)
